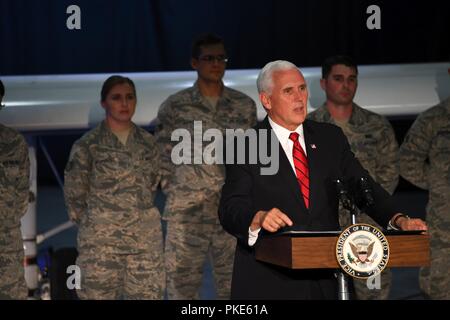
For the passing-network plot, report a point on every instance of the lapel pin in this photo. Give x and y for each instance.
(313, 146)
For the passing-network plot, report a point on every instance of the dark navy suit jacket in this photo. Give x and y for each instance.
(246, 191)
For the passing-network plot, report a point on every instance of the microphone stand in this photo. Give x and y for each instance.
(347, 203)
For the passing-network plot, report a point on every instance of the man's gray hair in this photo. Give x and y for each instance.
(265, 81)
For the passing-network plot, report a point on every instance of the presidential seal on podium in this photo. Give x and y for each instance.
(362, 251)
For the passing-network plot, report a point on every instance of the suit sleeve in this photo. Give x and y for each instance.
(236, 210)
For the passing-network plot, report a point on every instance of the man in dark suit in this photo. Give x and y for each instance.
(300, 194)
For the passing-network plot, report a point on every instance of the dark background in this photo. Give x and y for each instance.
(150, 35)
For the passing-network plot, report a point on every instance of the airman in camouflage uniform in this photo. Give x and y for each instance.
(193, 190)
(371, 139)
(14, 188)
(373, 142)
(425, 162)
(110, 185)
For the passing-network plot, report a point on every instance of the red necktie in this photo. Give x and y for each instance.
(301, 167)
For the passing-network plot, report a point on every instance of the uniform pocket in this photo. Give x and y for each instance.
(149, 171)
(440, 155)
(110, 167)
(150, 217)
(11, 170)
(151, 226)
(443, 140)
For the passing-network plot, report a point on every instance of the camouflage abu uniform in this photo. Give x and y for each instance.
(109, 190)
(372, 140)
(14, 191)
(425, 162)
(193, 192)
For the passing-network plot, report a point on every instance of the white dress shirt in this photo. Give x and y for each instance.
(287, 145)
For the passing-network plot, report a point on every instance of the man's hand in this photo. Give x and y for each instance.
(405, 223)
(271, 220)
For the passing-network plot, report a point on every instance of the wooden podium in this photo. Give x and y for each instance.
(316, 250)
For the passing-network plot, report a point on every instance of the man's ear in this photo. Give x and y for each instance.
(194, 63)
(323, 83)
(265, 100)
(103, 104)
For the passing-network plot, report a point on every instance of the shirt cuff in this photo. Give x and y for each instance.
(391, 226)
(253, 236)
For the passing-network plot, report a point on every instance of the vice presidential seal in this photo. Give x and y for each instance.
(362, 251)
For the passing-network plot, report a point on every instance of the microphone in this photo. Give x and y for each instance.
(343, 194)
(366, 192)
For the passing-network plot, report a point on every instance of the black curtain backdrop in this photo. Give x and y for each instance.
(150, 35)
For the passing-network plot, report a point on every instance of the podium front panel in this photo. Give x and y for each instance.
(320, 252)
